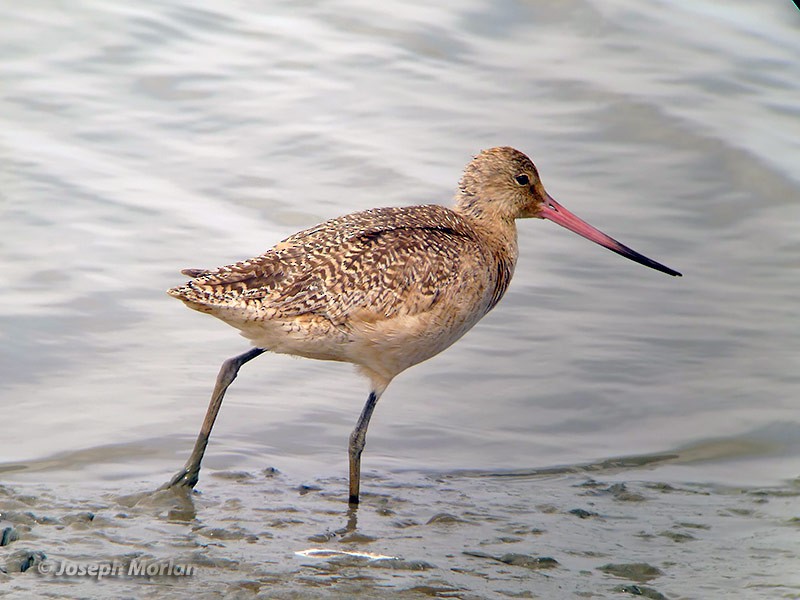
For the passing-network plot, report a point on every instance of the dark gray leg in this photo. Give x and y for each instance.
(187, 477)
(357, 441)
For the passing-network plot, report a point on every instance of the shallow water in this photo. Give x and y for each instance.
(138, 140)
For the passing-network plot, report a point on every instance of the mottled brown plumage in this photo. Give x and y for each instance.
(383, 289)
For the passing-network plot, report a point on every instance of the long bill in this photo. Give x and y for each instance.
(553, 211)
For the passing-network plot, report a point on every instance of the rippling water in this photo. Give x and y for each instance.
(138, 139)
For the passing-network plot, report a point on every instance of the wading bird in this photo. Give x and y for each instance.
(383, 289)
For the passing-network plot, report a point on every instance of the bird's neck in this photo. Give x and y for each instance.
(499, 237)
(497, 232)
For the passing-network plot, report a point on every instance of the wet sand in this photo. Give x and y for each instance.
(599, 531)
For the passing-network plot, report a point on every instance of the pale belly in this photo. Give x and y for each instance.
(391, 346)
(382, 347)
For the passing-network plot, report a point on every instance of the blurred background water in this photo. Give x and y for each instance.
(137, 139)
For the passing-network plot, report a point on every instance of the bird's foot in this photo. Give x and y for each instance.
(186, 478)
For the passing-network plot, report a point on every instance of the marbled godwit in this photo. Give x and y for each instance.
(383, 289)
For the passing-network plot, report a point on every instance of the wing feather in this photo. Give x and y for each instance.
(387, 262)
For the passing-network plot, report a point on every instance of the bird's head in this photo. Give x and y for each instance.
(502, 184)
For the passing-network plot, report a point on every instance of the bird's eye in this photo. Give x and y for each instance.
(522, 179)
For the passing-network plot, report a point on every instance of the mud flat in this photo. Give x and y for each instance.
(416, 535)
